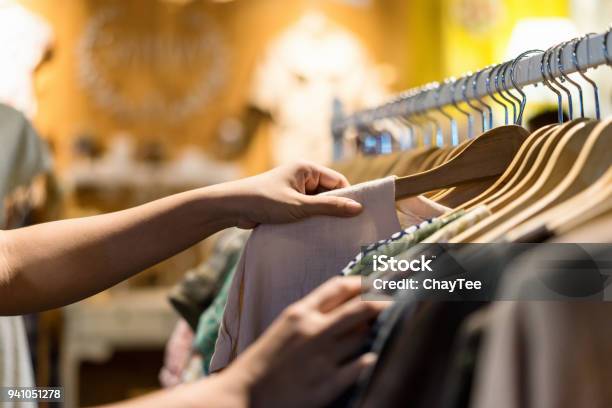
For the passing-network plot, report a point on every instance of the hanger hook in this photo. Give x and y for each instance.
(395, 111)
(570, 105)
(549, 86)
(469, 76)
(486, 106)
(452, 121)
(422, 95)
(453, 87)
(506, 87)
(589, 80)
(500, 73)
(488, 83)
(412, 116)
(561, 67)
(519, 120)
(464, 80)
(430, 88)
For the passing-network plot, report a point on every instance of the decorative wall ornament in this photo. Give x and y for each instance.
(478, 16)
(143, 71)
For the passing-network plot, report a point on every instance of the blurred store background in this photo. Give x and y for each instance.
(142, 98)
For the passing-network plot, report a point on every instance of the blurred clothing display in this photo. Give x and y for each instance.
(201, 296)
(23, 157)
(25, 38)
(201, 285)
(211, 320)
(310, 65)
(177, 356)
(16, 365)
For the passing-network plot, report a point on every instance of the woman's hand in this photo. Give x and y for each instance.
(310, 354)
(284, 194)
(307, 358)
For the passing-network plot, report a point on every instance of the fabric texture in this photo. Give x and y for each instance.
(15, 363)
(23, 155)
(200, 286)
(398, 242)
(547, 354)
(283, 263)
(210, 322)
(414, 360)
(177, 355)
(456, 227)
(456, 390)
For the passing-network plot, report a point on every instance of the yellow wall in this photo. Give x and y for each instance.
(66, 108)
(425, 40)
(472, 43)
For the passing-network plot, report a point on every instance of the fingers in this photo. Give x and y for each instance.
(351, 345)
(330, 179)
(333, 293)
(328, 205)
(318, 177)
(348, 375)
(352, 314)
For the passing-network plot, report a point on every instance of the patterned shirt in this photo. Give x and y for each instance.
(397, 243)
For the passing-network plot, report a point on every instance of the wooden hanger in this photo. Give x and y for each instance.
(593, 163)
(444, 157)
(410, 160)
(429, 161)
(452, 153)
(530, 168)
(525, 179)
(597, 229)
(557, 167)
(568, 213)
(486, 156)
(462, 194)
(457, 196)
(437, 195)
(512, 175)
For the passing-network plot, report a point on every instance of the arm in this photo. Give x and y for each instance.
(307, 357)
(54, 264)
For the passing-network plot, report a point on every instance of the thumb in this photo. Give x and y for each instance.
(329, 205)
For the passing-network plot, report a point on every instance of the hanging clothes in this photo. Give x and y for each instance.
(314, 250)
(201, 285)
(548, 353)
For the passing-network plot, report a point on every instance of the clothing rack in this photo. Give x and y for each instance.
(590, 51)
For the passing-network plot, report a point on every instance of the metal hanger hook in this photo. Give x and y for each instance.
(482, 103)
(549, 86)
(488, 82)
(510, 66)
(500, 74)
(589, 80)
(468, 101)
(519, 120)
(453, 87)
(452, 121)
(570, 105)
(561, 67)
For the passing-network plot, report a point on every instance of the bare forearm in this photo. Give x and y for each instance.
(225, 390)
(54, 264)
